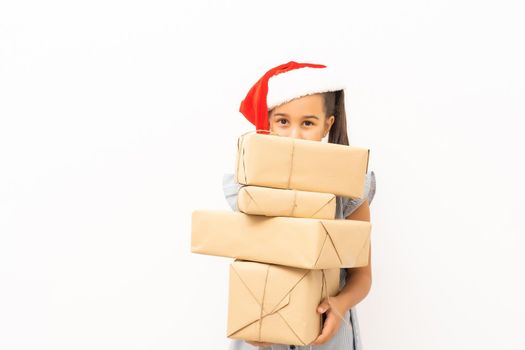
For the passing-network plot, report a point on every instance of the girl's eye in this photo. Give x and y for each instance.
(282, 121)
(310, 123)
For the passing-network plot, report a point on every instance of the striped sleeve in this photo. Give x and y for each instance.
(231, 189)
(350, 204)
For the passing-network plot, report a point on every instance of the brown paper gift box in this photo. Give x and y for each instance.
(297, 242)
(277, 304)
(267, 201)
(290, 163)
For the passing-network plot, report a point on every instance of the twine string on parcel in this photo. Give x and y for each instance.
(324, 293)
(241, 146)
(291, 165)
(262, 302)
(294, 204)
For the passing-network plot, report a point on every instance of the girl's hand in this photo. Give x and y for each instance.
(259, 344)
(332, 322)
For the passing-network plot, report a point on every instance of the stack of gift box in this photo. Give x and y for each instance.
(288, 247)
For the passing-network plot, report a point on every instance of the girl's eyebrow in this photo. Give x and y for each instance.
(304, 116)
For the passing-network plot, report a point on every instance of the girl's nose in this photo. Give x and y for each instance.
(295, 133)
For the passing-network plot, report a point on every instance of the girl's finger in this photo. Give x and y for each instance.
(330, 326)
(323, 307)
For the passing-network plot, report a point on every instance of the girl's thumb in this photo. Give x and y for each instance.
(323, 306)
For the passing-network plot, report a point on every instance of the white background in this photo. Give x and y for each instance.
(117, 119)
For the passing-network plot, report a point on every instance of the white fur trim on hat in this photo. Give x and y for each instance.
(300, 82)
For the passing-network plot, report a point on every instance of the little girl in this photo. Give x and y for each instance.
(306, 101)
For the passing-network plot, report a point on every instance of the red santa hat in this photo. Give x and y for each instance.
(284, 83)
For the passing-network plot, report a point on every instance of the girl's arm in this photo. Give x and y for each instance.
(358, 279)
(358, 283)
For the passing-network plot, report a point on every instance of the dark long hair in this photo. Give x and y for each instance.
(334, 104)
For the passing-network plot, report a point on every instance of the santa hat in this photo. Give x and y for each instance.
(284, 83)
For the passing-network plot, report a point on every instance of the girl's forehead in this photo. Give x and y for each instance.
(310, 103)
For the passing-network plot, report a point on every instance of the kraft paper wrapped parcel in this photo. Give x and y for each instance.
(277, 304)
(297, 242)
(290, 163)
(267, 201)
